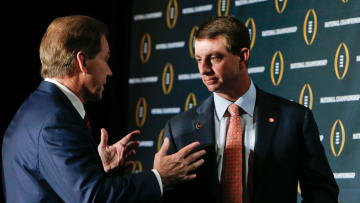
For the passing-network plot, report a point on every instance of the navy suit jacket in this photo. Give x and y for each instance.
(286, 151)
(48, 155)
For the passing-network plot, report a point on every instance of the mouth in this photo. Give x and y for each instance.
(210, 81)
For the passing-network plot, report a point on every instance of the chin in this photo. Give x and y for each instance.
(212, 88)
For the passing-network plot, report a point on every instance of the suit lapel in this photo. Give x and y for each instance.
(203, 124)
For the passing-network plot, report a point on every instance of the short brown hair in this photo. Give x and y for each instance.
(64, 38)
(236, 34)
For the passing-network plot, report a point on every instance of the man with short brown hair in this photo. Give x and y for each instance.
(259, 146)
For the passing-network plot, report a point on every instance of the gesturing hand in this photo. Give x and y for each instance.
(176, 168)
(118, 155)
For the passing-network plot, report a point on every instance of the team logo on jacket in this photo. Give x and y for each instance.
(167, 78)
(172, 14)
(190, 101)
(277, 68)
(192, 40)
(306, 96)
(310, 27)
(341, 63)
(141, 111)
(223, 7)
(160, 139)
(337, 138)
(280, 5)
(145, 48)
(137, 167)
(250, 24)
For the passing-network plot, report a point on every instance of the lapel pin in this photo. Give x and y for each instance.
(198, 126)
(271, 120)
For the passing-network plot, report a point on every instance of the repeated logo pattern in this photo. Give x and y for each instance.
(305, 51)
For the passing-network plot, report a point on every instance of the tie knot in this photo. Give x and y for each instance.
(233, 109)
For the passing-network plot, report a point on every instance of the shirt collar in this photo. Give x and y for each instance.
(246, 102)
(76, 102)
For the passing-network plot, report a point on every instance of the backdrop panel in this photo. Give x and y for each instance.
(306, 51)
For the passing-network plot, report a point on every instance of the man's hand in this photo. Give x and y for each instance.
(176, 168)
(118, 155)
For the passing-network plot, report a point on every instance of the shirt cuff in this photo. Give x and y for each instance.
(158, 177)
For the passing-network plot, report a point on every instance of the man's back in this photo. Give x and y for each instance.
(22, 146)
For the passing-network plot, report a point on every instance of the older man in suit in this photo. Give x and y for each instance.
(48, 154)
(259, 146)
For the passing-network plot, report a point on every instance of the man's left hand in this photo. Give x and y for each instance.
(118, 155)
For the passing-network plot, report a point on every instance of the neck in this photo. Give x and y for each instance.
(73, 84)
(238, 90)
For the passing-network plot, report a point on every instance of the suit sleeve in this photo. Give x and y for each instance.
(316, 179)
(69, 163)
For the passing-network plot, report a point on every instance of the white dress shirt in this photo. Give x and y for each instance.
(247, 103)
(79, 106)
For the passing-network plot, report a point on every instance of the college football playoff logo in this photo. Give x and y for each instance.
(223, 7)
(141, 111)
(277, 68)
(250, 24)
(137, 167)
(337, 138)
(192, 40)
(280, 6)
(172, 14)
(145, 48)
(190, 101)
(306, 96)
(341, 63)
(310, 27)
(160, 139)
(167, 78)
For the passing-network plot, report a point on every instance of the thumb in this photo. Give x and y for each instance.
(104, 138)
(165, 146)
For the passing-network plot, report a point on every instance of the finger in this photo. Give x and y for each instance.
(130, 155)
(189, 177)
(165, 146)
(104, 138)
(132, 145)
(127, 138)
(187, 149)
(195, 156)
(195, 165)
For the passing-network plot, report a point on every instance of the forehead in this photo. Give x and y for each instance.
(203, 46)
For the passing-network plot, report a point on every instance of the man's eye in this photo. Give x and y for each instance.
(216, 58)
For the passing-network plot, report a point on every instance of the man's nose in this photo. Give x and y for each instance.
(109, 72)
(204, 67)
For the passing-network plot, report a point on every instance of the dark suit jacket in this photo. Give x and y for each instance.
(286, 151)
(48, 155)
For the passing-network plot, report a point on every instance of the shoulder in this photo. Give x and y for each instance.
(205, 107)
(277, 102)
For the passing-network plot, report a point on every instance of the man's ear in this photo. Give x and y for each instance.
(81, 62)
(245, 54)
